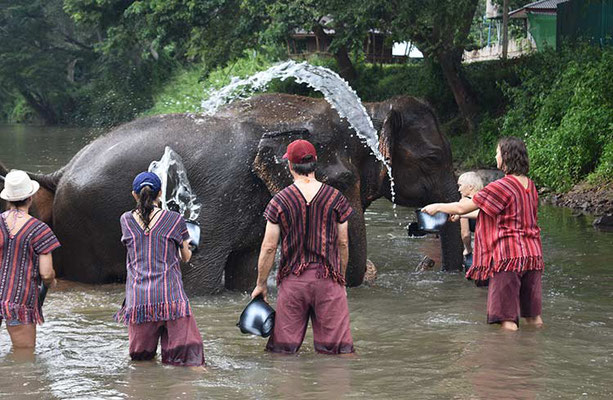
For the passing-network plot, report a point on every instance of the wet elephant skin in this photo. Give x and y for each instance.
(233, 160)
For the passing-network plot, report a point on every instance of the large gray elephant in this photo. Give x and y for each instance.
(233, 160)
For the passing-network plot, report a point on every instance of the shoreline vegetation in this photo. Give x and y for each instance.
(560, 102)
(100, 64)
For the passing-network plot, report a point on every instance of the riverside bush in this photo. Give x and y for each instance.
(188, 85)
(559, 102)
(564, 111)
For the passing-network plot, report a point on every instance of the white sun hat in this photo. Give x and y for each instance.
(18, 186)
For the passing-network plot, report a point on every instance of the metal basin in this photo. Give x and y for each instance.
(194, 233)
(431, 223)
(258, 318)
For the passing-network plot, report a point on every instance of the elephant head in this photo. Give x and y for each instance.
(269, 165)
(420, 156)
(412, 143)
(338, 165)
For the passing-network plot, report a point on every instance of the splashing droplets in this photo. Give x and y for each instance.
(335, 89)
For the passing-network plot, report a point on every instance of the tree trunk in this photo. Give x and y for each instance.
(505, 29)
(70, 70)
(44, 111)
(345, 66)
(451, 65)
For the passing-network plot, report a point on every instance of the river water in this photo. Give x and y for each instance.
(417, 335)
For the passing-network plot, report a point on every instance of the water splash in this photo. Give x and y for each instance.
(334, 88)
(173, 175)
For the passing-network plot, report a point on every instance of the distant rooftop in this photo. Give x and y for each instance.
(540, 7)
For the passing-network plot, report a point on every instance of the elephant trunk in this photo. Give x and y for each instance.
(357, 240)
(451, 241)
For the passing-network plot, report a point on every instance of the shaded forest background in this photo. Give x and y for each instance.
(104, 62)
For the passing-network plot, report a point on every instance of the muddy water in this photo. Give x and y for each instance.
(417, 335)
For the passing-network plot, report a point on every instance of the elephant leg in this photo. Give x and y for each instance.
(451, 247)
(204, 273)
(241, 270)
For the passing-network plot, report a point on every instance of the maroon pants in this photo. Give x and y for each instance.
(514, 294)
(181, 341)
(324, 301)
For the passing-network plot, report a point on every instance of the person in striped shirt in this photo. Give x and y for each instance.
(156, 306)
(310, 217)
(508, 249)
(25, 260)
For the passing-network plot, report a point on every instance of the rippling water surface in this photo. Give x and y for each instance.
(417, 335)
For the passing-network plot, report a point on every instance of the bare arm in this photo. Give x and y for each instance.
(343, 245)
(45, 268)
(186, 253)
(471, 215)
(461, 207)
(266, 259)
(465, 233)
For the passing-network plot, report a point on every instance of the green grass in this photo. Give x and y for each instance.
(189, 86)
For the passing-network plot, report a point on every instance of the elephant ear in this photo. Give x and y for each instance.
(269, 165)
(391, 125)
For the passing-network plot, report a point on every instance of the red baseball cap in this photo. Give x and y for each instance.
(298, 150)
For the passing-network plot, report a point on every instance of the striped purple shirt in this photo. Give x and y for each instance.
(19, 269)
(309, 231)
(154, 285)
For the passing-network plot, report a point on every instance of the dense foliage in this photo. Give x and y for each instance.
(564, 107)
(33, 54)
(561, 104)
(67, 69)
(102, 62)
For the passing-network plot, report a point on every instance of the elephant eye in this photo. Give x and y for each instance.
(431, 157)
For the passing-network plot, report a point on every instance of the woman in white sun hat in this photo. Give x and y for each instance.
(25, 260)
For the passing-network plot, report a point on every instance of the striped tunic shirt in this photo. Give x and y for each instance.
(507, 236)
(19, 269)
(309, 231)
(154, 285)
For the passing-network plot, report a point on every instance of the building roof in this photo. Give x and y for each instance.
(539, 7)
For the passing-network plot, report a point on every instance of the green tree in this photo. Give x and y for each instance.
(209, 31)
(340, 27)
(36, 56)
(440, 30)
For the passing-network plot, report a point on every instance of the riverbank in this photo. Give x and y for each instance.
(583, 197)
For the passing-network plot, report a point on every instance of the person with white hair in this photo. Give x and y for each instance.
(469, 184)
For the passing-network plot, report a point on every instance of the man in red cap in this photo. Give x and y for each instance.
(310, 217)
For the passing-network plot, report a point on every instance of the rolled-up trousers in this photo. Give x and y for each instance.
(321, 299)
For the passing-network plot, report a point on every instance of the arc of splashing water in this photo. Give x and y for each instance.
(182, 194)
(335, 89)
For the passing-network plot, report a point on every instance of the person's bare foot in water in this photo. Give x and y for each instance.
(509, 326)
(536, 322)
(200, 368)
